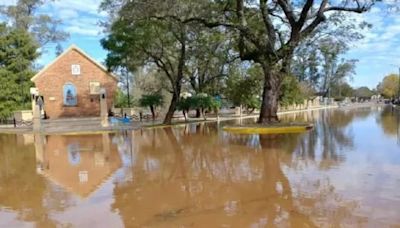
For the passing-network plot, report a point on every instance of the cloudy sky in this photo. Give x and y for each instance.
(378, 53)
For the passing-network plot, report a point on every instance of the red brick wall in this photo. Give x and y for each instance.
(50, 84)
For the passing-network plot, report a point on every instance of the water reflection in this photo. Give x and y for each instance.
(41, 175)
(330, 136)
(200, 176)
(21, 191)
(79, 164)
(196, 178)
(389, 119)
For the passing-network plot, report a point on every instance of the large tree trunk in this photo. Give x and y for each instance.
(153, 114)
(270, 97)
(177, 84)
(184, 115)
(171, 109)
(198, 113)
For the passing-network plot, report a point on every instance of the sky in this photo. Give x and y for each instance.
(378, 53)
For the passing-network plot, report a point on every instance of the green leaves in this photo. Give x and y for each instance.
(42, 27)
(320, 64)
(363, 92)
(154, 100)
(17, 52)
(200, 101)
(389, 87)
(244, 88)
(291, 92)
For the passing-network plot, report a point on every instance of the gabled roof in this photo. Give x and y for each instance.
(74, 47)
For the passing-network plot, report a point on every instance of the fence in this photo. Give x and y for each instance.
(15, 123)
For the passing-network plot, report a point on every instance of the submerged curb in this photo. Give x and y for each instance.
(268, 129)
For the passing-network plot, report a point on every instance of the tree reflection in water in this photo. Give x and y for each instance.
(203, 177)
(386, 119)
(330, 139)
(195, 175)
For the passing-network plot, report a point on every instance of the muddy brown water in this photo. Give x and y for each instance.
(343, 173)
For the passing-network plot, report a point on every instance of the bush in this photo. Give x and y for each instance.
(152, 101)
(200, 101)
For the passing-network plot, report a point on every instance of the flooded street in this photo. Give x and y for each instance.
(345, 172)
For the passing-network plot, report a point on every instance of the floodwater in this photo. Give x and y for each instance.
(344, 173)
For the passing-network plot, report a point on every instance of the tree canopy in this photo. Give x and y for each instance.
(24, 15)
(389, 87)
(152, 101)
(17, 52)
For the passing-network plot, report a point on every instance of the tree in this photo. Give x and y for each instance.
(204, 102)
(291, 92)
(244, 88)
(208, 58)
(152, 101)
(335, 71)
(121, 99)
(25, 16)
(59, 49)
(184, 105)
(17, 53)
(140, 36)
(319, 65)
(201, 101)
(268, 33)
(341, 90)
(389, 87)
(363, 92)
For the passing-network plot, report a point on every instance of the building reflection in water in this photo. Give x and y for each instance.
(79, 164)
(49, 181)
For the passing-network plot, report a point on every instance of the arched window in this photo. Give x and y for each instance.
(70, 95)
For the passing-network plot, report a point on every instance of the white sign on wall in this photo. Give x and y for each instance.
(75, 69)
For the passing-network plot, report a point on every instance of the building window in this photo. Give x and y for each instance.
(75, 69)
(70, 95)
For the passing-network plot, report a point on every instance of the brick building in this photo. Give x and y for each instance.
(71, 85)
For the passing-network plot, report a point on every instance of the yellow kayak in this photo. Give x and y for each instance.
(268, 129)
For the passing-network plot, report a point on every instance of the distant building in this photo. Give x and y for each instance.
(71, 84)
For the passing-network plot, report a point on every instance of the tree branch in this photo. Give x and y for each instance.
(304, 13)
(268, 24)
(287, 9)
